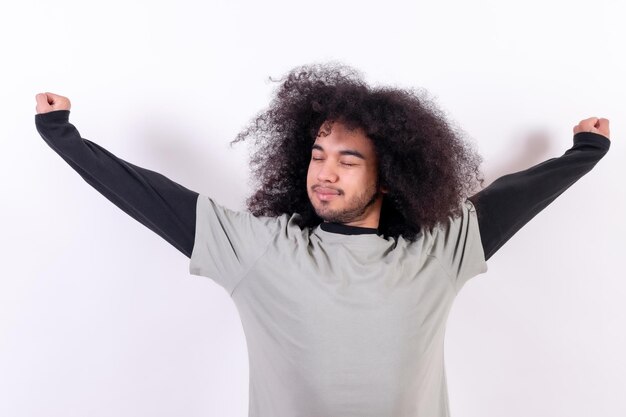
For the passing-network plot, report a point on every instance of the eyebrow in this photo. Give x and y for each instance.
(343, 152)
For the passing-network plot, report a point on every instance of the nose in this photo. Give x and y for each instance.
(326, 173)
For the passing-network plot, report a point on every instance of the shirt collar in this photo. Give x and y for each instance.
(345, 229)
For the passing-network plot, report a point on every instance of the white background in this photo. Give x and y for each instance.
(100, 317)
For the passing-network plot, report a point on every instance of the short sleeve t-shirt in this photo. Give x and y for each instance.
(339, 324)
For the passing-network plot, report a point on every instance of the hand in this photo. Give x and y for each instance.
(47, 102)
(595, 125)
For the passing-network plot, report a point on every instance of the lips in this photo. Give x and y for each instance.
(325, 194)
(326, 191)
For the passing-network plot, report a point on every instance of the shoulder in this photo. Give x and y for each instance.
(457, 223)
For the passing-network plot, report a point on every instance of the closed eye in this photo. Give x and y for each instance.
(342, 163)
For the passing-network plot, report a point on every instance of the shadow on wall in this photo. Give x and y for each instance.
(524, 151)
(193, 156)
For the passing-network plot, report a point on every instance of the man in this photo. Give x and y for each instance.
(361, 233)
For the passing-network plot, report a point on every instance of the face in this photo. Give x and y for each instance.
(342, 177)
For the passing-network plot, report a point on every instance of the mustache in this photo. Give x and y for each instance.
(315, 187)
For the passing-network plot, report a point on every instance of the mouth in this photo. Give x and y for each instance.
(325, 194)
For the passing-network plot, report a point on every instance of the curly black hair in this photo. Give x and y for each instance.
(425, 163)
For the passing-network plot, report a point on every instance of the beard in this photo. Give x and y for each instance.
(353, 210)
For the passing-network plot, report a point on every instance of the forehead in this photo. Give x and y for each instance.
(337, 136)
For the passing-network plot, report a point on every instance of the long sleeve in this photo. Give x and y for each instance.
(512, 200)
(162, 205)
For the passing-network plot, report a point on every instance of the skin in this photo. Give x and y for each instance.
(342, 179)
(343, 188)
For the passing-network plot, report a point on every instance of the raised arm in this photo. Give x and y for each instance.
(162, 205)
(512, 200)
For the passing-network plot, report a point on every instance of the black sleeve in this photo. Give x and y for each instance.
(512, 200)
(165, 207)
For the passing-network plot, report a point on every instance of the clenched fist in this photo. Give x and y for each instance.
(594, 125)
(47, 102)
